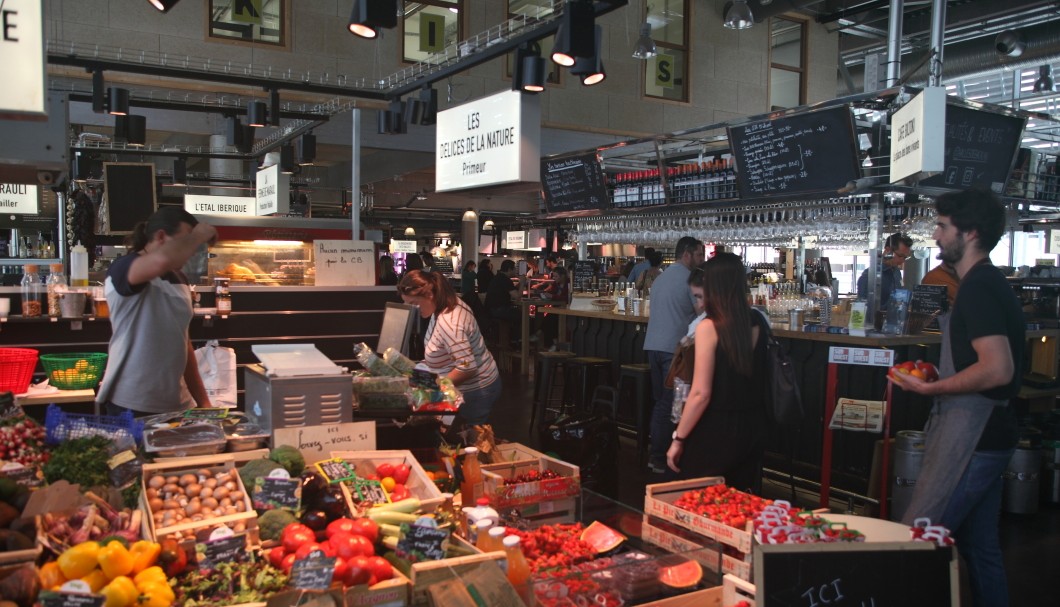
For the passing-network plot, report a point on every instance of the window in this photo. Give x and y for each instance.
(666, 74)
(429, 26)
(264, 22)
(787, 63)
(531, 10)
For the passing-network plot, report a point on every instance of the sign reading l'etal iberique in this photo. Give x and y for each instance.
(488, 141)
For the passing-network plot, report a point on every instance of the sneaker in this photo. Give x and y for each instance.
(655, 468)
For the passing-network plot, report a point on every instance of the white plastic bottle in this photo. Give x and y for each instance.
(78, 265)
(480, 512)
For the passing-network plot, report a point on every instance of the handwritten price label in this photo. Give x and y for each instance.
(317, 442)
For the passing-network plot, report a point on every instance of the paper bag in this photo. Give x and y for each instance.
(217, 366)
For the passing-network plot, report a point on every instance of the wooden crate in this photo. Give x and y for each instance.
(427, 573)
(30, 555)
(239, 457)
(512, 460)
(221, 462)
(699, 550)
(418, 484)
(659, 502)
(388, 593)
(734, 590)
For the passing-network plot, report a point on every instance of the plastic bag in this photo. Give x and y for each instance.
(217, 366)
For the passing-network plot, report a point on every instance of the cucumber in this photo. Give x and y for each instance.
(408, 505)
(391, 518)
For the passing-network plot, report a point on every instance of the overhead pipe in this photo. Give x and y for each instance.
(894, 42)
(938, 41)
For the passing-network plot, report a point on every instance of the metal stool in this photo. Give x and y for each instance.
(640, 375)
(582, 375)
(547, 369)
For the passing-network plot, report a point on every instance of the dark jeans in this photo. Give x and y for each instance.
(661, 427)
(478, 404)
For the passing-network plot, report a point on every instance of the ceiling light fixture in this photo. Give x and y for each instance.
(591, 69)
(1045, 82)
(287, 165)
(180, 171)
(163, 5)
(429, 109)
(136, 132)
(99, 94)
(1010, 43)
(529, 69)
(738, 15)
(118, 101)
(256, 113)
(645, 47)
(488, 225)
(410, 231)
(574, 38)
(274, 107)
(369, 16)
(307, 149)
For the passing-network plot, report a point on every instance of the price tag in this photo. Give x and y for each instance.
(215, 551)
(422, 543)
(370, 491)
(271, 493)
(8, 408)
(206, 413)
(313, 572)
(75, 593)
(336, 470)
(23, 475)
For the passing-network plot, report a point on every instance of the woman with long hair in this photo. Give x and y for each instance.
(387, 275)
(722, 426)
(454, 346)
(151, 366)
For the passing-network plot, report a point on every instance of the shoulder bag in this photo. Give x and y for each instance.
(683, 364)
(784, 402)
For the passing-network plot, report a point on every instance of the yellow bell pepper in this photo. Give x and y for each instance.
(96, 580)
(120, 592)
(115, 560)
(151, 574)
(155, 594)
(79, 561)
(51, 577)
(144, 555)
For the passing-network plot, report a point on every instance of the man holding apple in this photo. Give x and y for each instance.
(972, 431)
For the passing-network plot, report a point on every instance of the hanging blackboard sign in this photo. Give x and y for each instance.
(911, 574)
(129, 188)
(980, 149)
(928, 299)
(813, 152)
(574, 184)
(270, 493)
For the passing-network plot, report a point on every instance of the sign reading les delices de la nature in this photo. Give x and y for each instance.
(273, 191)
(488, 141)
(22, 47)
(918, 135)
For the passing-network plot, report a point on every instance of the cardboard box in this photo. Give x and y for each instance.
(659, 502)
(513, 460)
(418, 484)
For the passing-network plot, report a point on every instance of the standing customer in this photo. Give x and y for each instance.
(972, 430)
(467, 280)
(672, 308)
(485, 275)
(647, 277)
(896, 249)
(151, 366)
(454, 346)
(642, 265)
(722, 427)
(387, 276)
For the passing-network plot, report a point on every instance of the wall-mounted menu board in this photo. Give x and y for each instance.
(813, 152)
(980, 149)
(574, 184)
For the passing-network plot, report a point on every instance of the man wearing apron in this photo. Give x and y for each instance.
(972, 431)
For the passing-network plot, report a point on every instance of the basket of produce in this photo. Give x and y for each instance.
(76, 371)
(604, 304)
(62, 426)
(16, 369)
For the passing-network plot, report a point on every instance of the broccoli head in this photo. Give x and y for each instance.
(271, 524)
(288, 457)
(256, 468)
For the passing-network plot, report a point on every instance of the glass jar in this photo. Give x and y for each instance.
(32, 291)
(56, 283)
(224, 297)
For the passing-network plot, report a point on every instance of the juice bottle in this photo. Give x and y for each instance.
(496, 538)
(471, 486)
(518, 569)
(482, 535)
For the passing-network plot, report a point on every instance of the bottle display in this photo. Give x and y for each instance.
(31, 290)
(471, 485)
(700, 181)
(56, 283)
(224, 297)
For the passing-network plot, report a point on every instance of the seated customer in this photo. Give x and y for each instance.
(499, 294)
(560, 297)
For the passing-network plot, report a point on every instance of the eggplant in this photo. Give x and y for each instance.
(313, 486)
(333, 503)
(317, 520)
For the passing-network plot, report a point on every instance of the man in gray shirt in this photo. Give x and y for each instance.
(672, 308)
(643, 265)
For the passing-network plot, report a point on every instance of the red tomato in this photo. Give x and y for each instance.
(931, 373)
(340, 525)
(349, 546)
(384, 470)
(357, 571)
(304, 550)
(399, 492)
(288, 562)
(401, 473)
(276, 556)
(367, 528)
(295, 540)
(340, 572)
(294, 528)
(329, 550)
(381, 568)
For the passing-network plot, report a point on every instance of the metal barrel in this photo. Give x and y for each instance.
(908, 457)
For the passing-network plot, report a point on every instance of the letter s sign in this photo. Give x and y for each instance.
(664, 71)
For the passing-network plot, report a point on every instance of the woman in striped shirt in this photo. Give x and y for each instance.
(454, 346)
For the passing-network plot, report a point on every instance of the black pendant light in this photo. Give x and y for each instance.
(180, 171)
(575, 35)
(256, 111)
(163, 5)
(307, 149)
(529, 69)
(118, 101)
(591, 69)
(369, 16)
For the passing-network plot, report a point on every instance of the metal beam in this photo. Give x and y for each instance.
(198, 107)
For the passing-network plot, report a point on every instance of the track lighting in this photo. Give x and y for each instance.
(163, 5)
(369, 16)
(591, 69)
(1045, 83)
(529, 69)
(574, 38)
(307, 149)
(118, 101)
(645, 47)
(256, 113)
(392, 120)
(738, 15)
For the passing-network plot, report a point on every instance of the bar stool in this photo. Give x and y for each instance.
(582, 373)
(640, 375)
(548, 368)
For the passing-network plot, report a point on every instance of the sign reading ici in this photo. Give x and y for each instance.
(918, 136)
(22, 47)
(273, 191)
(488, 141)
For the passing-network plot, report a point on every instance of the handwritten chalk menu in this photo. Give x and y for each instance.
(317, 442)
(928, 299)
(270, 493)
(574, 184)
(812, 152)
(584, 272)
(422, 543)
(910, 574)
(344, 263)
(313, 572)
(980, 149)
(225, 550)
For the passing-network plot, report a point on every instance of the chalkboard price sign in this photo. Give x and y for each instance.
(928, 299)
(313, 572)
(812, 152)
(910, 574)
(71, 599)
(980, 149)
(584, 272)
(270, 493)
(422, 543)
(225, 550)
(574, 184)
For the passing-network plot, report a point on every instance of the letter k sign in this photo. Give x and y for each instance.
(247, 11)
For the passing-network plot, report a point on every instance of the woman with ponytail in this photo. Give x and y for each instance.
(722, 427)
(151, 365)
(454, 346)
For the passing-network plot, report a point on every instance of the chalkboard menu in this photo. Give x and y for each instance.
(574, 184)
(980, 149)
(814, 152)
(928, 299)
(583, 272)
(910, 574)
(130, 193)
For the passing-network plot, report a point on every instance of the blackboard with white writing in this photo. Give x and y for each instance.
(584, 272)
(574, 184)
(814, 152)
(910, 574)
(980, 149)
(928, 299)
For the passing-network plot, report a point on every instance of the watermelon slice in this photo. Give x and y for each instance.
(678, 572)
(601, 537)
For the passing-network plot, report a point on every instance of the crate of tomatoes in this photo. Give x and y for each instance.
(521, 476)
(707, 506)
